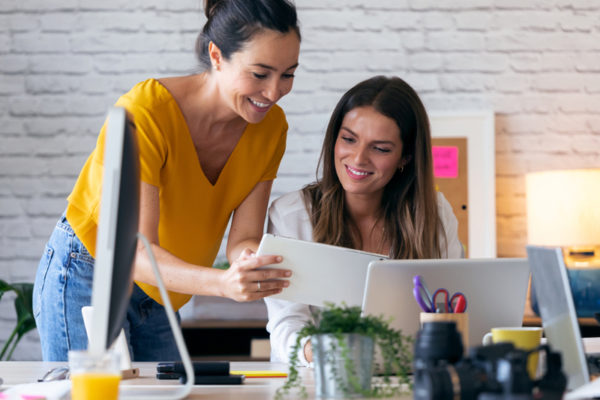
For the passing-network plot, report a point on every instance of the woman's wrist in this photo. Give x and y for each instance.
(217, 282)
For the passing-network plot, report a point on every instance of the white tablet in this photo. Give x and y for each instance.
(320, 273)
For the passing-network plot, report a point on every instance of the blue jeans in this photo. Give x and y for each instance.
(63, 284)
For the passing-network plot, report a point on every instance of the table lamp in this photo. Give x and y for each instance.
(563, 210)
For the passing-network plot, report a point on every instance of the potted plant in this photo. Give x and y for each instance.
(343, 344)
(24, 310)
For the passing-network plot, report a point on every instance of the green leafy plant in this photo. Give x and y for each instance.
(395, 348)
(24, 310)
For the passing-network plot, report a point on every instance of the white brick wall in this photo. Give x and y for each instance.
(63, 62)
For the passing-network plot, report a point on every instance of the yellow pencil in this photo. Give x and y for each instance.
(260, 374)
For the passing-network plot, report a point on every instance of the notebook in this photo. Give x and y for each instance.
(496, 291)
(559, 318)
(320, 273)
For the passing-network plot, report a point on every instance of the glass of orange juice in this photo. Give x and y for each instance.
(94, 377)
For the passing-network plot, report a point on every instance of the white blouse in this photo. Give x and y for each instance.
(288, 217)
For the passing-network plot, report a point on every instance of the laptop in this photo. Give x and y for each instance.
(559, 318)
(495, 289)
(321, 273)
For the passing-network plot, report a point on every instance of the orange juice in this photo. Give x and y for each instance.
(95, 386)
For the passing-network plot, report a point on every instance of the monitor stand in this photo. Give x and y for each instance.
(139, 392)
(119, 346)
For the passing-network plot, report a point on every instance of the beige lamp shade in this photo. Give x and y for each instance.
(563, 208)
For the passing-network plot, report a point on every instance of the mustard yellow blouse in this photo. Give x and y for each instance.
(193, 212)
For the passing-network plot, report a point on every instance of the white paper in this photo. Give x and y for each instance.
(56, 390)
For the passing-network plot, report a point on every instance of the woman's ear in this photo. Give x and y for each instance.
(403, 161)
(215, 55)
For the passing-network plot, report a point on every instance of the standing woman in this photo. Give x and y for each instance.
(376, 193)
(210, 146)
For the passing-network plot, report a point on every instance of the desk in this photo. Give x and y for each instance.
(16, 372)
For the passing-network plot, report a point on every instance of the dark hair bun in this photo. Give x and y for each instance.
(231, 23)
(209, 7)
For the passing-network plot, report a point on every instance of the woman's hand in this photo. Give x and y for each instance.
(308, 354)
(244, 282)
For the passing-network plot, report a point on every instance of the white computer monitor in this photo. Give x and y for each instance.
(116, 239)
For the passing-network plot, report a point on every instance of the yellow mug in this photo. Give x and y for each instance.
(524, 338)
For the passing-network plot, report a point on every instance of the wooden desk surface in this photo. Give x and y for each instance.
(17, 372)
(534, 320)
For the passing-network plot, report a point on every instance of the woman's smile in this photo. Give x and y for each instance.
(357, 174)
(259, 106)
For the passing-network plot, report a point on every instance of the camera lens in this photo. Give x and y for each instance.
(437, 341)
(448, 382)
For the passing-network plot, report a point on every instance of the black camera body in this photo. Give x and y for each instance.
(494, 372)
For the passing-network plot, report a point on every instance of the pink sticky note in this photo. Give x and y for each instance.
(445, 161)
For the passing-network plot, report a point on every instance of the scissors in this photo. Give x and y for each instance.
(422, 294)
(457, 303)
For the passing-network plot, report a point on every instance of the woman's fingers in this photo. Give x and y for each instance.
(247, 281)
(266, 274)
(253, 282)
(253, 261)
(257, 290)
(267, 286)
(250, 270)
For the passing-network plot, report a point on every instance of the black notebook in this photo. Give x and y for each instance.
(200, 367)
(206, 373)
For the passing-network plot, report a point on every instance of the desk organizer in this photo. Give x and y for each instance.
(461, 320)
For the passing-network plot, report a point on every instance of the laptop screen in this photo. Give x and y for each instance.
(496, 291)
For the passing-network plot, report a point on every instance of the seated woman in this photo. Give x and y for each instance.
(376, 194)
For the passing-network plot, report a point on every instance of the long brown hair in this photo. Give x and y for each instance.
(409, 209)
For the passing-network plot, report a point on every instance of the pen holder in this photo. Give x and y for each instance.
(461, 320)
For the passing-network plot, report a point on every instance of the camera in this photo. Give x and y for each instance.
(494, 372)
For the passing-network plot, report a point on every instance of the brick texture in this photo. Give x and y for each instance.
(63, 62)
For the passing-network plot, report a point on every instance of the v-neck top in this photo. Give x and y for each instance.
(193, 212)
